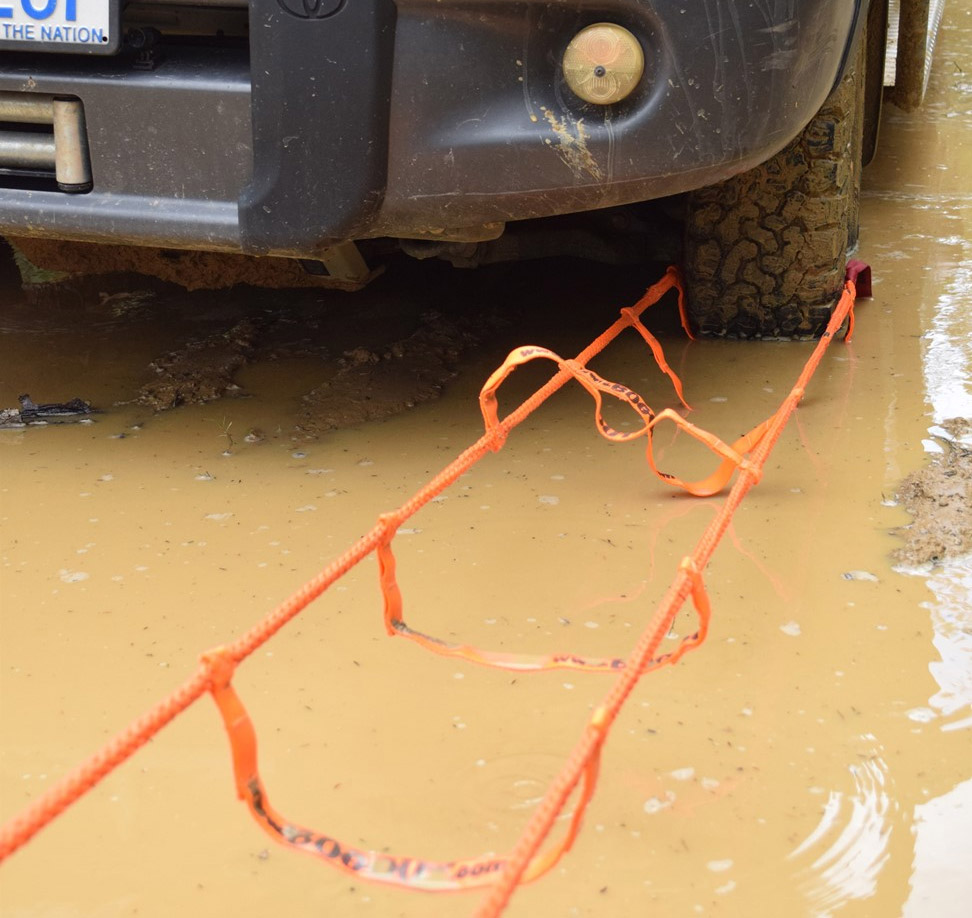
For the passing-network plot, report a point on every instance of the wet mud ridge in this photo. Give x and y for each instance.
(202, 370)
(379, 369)
(939, 498)
(369, 385)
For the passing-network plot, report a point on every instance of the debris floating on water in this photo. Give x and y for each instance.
(32, 414)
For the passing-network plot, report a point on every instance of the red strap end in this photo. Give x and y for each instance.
(860, 274)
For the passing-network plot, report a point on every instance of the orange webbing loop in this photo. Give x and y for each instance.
(587, 378)
(590, 380)
(703, 609)
(374, 866)
(733, 457)
(598, 727)
(520, 662)
(655, 345)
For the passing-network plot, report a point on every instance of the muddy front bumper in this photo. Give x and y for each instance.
(343, 120)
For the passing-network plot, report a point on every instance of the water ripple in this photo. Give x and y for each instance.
(849, 846)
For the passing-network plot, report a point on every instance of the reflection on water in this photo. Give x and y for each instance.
(939, 882)
(948, 351)
(951, 619)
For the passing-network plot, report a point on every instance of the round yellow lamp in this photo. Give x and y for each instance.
(603, 63)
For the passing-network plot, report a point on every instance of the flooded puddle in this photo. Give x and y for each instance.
(812, 757)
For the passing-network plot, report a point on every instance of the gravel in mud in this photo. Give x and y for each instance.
(366, 383)
(938, 497)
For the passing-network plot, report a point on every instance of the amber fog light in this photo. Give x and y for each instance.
(603, 63)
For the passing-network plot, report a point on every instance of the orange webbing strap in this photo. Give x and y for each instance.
(594, 384)
(373, 866)
(656, 349)
(732, 456)
(521, 662)
(398, 870)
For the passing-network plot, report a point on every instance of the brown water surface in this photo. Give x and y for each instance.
(813, 757)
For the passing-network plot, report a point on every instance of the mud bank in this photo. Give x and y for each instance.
(938, 497)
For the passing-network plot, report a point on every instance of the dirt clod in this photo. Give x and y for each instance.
(938, 497)
(202, 370)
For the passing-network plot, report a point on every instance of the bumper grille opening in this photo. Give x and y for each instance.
(212, 22)
(43, 143)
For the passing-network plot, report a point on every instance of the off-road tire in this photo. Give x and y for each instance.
(765, 251)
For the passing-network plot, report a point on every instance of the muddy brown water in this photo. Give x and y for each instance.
(813, 757)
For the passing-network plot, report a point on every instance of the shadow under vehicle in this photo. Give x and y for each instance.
(213, 142)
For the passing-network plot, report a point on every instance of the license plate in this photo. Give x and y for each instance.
(60, 26)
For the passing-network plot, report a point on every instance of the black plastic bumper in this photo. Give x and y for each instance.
(423, 119)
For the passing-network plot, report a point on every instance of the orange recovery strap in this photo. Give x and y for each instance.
(397, 870)
(395, 625)
(373, 866)
(500, 875)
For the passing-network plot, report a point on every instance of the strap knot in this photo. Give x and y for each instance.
(220, 666)
(747, 467)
